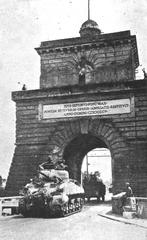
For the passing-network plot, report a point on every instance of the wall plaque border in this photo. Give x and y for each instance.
(92, 108)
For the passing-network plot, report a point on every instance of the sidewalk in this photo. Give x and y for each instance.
(106, 212)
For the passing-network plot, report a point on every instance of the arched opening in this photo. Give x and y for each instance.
(76, 138)
(77, 149)
(99, 160)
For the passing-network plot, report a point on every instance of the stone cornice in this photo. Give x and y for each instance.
(80, 40)
(69, 91)
(71, 45)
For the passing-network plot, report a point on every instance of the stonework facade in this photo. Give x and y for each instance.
(107, 58)
(109, 62)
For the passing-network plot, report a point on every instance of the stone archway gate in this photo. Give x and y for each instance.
(124, 133)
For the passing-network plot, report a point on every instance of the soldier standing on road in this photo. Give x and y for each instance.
(103, 191)
(129, 192)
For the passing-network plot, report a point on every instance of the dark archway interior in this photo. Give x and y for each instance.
(77, 149)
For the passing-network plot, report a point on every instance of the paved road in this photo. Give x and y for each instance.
(86, 225)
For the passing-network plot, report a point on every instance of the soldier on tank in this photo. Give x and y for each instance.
(61, 165)
(47, 165)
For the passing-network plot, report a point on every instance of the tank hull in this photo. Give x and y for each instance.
(49, 207)
(54, 195)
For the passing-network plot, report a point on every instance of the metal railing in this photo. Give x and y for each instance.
(11, 203)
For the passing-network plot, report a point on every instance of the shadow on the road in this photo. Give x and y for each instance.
(94, 202)
(40, 217)
(31, 217)
(17, 216)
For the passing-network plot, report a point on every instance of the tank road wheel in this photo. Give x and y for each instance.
(81, 203)
(78, 207)
(70, 207)
(74, 206)
(64, 210)
(78, 204)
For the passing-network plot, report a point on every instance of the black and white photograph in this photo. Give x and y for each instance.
(73, 119)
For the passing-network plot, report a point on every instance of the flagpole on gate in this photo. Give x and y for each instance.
(88, 9)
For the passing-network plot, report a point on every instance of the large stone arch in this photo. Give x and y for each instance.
(68, 137)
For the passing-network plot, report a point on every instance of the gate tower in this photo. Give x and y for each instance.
(88, 98)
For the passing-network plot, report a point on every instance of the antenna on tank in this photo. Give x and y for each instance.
(88, 9)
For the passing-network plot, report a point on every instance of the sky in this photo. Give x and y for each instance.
(25, 23)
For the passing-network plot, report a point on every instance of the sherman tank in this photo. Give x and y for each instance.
(51, 193)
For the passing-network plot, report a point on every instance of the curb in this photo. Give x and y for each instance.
(121, 220)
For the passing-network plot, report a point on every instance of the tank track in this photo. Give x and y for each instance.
(72, 207)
